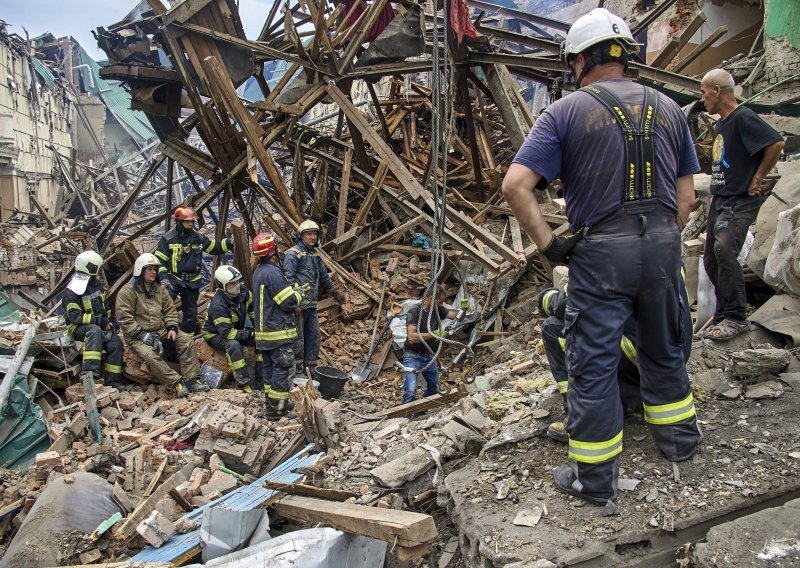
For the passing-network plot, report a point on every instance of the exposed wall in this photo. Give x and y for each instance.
(27, 165)
(782, 51)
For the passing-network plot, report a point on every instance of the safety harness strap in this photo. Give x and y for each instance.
(640, 149)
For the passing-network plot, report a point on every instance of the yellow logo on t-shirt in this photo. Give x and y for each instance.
(717, 149)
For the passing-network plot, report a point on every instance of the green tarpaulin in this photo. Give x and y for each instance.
(22, 430)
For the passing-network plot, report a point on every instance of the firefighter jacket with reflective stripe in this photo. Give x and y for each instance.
(181, 256)
(139, 311)
(304, 266)
(229, 317)
(86, 308)
(275, 300)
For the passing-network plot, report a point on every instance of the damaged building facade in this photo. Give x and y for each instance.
(392, 126)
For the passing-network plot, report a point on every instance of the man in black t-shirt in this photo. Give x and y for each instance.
(422, 331)
(745, 150)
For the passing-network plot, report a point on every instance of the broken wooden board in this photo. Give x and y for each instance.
(421, 405)
(403, 528)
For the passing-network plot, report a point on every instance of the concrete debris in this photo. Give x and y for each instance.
(528, 517)
(156, 529)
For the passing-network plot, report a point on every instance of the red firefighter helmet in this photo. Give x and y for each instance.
(184, 213)
(264, 245)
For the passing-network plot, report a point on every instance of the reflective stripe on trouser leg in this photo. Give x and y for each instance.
(92, 338)
(595, 452)
(671, 413)
(112, 367)
(282, 363)
(674, 427)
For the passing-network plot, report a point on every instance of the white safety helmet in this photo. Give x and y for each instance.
(224, 275)
(88, 262)
(308, 225)
(144, 260)
(598, 26)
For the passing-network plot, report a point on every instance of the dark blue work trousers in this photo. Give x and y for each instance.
(308, 336)
(627, 265)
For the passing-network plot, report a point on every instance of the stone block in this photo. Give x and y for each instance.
(465, 439)
(90, 556)
(229, 451)
(48, 460)
(221, 482)
(204, 444)
(110, 413)
(403, 469)
(156, 529)
(167, 508)
(198, 501)
(130, 436)
(233, 430)
(78, 425)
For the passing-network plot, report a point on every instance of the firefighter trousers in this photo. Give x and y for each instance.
(629, 264)
(95, 341)
(236, 359)
(308, 337)
(277, 368)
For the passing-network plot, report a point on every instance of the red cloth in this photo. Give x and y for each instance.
(387, 15)
(460, 22)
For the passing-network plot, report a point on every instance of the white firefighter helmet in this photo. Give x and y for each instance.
(598, 26)
(224, 275)
(308, 225)
(144, 260)
(88, 262)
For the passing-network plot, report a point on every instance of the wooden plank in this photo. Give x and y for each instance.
(385, 237)
(341, 216)
(241, 250)
(516, 234)
(156, 478)
(420, 405)
(369, 199)
(310, 491)
(165, 428)
(298, 441)
(126, 529)
(403, 528)
(219, 81)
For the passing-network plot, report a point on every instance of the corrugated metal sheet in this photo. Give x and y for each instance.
(245, 498)
(44, 72)
(117, 99)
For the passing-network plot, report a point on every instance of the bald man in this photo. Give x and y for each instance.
(745, 150)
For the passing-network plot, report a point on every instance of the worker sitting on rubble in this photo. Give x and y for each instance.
(423, 332)
(277, 306)
(89, 320)
(149, 320)
(552, 302)
(228, 326)
(304, 267)
(181, 254)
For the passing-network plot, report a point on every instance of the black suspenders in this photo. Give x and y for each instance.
(640, 149)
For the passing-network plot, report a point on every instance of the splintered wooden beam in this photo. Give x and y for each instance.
(369, 199)
(697, 51)
(219, 81)
(341, 216)
(403, 528)
(384, 238)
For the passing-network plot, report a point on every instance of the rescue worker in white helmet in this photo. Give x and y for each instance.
(228, 326)
(625, 158)
(303, 267)
(181, 254)
(277, 305)
(149, 320)
(89, 320)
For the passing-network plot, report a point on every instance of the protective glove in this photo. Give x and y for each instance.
(560, 247)
(464, 303)
(230, 242)
(443, 333)
(339, 295)
(245, 335)
(115, 327)
(158, 347)
(148, 338)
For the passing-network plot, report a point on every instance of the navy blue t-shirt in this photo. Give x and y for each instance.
(577, 140)
(739, 142)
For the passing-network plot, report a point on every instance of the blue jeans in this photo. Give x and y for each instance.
(418, 361)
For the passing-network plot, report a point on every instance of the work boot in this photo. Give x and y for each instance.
(276, 409)
(196, 385)
(556, 431)
(566, 480)
(180, 390)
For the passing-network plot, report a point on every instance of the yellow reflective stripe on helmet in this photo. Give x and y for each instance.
(112, 368)
(278, 395)
(671, 413)
(630, 350)
(282, 295)
(595, 452)
(563, 343)
(92, 355)
(276, 335)
(86, 319)
(563, 386)
(222, 319)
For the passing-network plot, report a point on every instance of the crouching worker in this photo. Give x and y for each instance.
(277, 305)
(88, 319)
(148, 319)
(423, 332)
(229, 325)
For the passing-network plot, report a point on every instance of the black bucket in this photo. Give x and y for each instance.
(331, 381)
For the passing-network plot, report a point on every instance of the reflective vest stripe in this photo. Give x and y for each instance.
(546, 301)
(671, 413)
(283, 295)
(86, 319)
(595, 452)
(276, 335)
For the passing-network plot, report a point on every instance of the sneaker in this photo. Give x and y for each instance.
(180, 390)
(564, 478)
(197, 385)
(556, 431)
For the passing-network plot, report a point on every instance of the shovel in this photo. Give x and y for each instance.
(364, 370)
